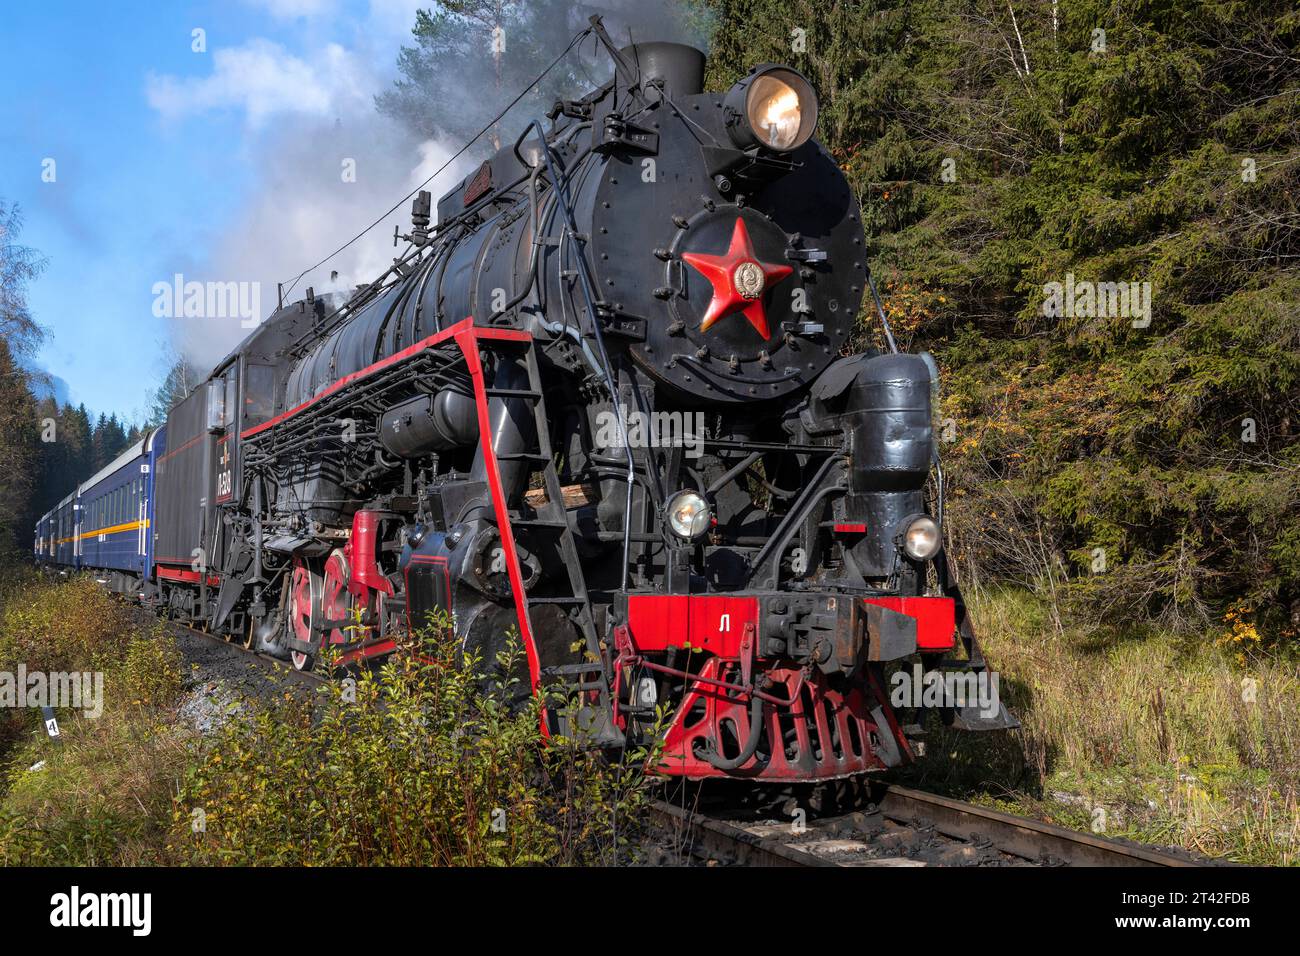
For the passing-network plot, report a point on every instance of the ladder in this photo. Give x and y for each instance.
(550, 521)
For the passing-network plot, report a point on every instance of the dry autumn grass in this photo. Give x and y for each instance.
(101, 794)
(1136, 733)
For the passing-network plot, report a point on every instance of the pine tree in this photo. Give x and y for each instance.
(496, 48)
(80, 451)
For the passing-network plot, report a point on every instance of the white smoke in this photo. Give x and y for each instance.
(327, 182)
(328, 163)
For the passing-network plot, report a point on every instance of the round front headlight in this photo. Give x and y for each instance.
(921, 540)
(775, 112)
(688, 515)
(779, 108)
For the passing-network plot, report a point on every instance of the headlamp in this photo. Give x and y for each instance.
(773, 107)
(921, 540)
(688, 515)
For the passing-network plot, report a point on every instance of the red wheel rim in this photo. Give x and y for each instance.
(336, 600)
(304, 590)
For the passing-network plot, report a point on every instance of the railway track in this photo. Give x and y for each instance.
(902, 827)
(245, 652)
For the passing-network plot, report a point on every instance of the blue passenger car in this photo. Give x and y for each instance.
(107, 524)
(63, 522)
(113, 512)
(43, 548)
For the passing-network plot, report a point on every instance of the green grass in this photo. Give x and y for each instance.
(1133, 732)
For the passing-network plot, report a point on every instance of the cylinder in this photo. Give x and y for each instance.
(889, 412)
(429, 423)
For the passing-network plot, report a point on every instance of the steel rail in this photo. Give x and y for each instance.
(1044, 844)
(1021, 836)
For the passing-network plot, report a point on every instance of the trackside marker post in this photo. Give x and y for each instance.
(51, 722)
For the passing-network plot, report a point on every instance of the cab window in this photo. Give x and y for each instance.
(259, 395)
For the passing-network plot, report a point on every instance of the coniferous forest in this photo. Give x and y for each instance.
(1147, 463)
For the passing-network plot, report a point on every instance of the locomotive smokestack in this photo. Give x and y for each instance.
(681, 67)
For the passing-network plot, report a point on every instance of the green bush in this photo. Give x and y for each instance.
(415, 764)
(420, 762)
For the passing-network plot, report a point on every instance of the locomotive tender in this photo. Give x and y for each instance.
(455, 437)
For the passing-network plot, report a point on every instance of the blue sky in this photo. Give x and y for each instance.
(169, 160)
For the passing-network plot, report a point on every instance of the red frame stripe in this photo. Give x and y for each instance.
(453, 332)
(467, 338)
(466, 335)
(176, 574)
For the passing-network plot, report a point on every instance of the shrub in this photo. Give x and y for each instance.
(101, 794)
(416, 764)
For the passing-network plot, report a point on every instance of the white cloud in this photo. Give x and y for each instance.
(263, 79)
(306, 114)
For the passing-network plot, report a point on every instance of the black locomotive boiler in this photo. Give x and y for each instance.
(600, 402)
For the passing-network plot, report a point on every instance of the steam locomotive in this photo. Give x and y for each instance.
(599, 403)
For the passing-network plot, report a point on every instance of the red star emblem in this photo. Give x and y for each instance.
(739, 280)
